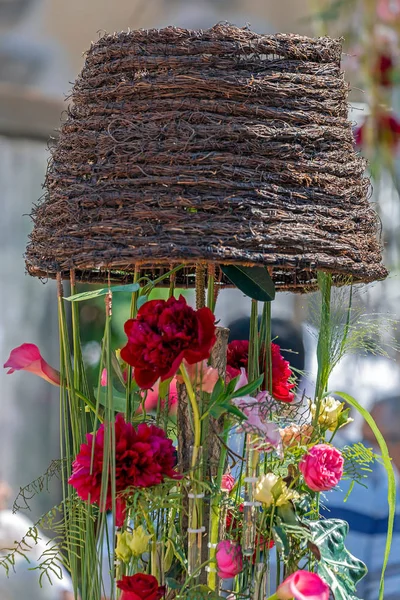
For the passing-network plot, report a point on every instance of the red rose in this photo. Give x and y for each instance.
(143, 457)
(163, 334)
(238, 357)
(140, 587)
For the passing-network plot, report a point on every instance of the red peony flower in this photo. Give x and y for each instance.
(238, 356)
(140, 587)
(384, 70)
(387, 131)
(144, 457)
(163, 334)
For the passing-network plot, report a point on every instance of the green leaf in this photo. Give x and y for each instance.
(217, 391)
(118, 398)
(131, 287)
(248, 389)
(255, 282)
(217, 410)
(340, 569)
(387, 462)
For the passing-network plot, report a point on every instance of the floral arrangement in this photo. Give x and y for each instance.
(243, 524)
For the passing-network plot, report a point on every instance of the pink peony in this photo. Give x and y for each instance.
(229, 559)
(322, 467)
(28, 358)
(303, 585)
(227, 482)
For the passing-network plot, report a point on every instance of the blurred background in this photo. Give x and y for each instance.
(41, 52)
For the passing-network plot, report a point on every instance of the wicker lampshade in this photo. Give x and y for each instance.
(207, 147)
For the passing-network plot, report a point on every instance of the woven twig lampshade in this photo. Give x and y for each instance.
(207, 147)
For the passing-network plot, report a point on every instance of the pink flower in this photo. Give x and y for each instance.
(28, 358)
(151, 401)
(322, 467)
(227, 482)
(257, 418)
(388, 10)
(229, 559)
(201, 374)
(303, 585)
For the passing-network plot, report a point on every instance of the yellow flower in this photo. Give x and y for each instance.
(139, 541)
(271, 489)
(132, 544)
(332, 414)
(123, 550)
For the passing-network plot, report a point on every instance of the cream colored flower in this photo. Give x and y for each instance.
(271, 489)
(332, 414)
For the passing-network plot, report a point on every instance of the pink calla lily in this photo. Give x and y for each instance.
(27, 357)
(303, 585)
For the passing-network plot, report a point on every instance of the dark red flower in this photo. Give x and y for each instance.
(238, 356)
(163, 334)
(387, 131)
(144, 457)
(281, 373)
(140, 587)
(384, 70)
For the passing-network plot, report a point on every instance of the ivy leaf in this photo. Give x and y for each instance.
(340, 569)
(255, 282)
(130, 287)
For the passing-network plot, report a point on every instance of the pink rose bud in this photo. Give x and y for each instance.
(229, 559)
(322, 467)
(27, 357)
(227, 483)
(303, 585)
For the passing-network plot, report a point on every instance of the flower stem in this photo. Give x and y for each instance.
(196, 414)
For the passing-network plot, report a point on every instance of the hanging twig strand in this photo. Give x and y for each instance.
(217, 146)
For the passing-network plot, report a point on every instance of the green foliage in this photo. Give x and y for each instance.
(255, 282)
(35, 487)
(92, 294)
(340, 569)
(387, 462)
(357, 461)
